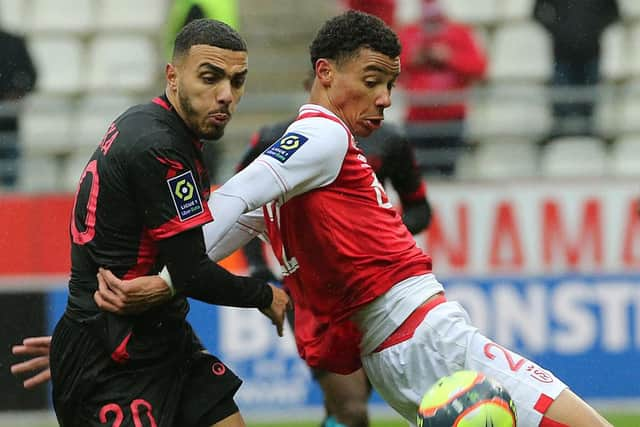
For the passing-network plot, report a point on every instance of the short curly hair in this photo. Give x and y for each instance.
(209, 32)
(341, 37)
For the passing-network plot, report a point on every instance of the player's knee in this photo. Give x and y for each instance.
(353, 413)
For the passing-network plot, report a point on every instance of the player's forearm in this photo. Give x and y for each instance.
(215, 285)
(416, 215)
(194, 275)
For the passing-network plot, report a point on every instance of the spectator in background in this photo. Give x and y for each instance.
(383, 9)
(576, 28)
(17, 78)
(440, 60)
(184, 11)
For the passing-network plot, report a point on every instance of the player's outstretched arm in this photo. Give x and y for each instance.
(38, 365)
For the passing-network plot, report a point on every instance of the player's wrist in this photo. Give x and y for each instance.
(166, 276)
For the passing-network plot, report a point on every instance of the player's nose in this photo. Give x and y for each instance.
(224, 92)
(384, 100)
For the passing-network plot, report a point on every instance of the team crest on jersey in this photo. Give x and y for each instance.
(284, 148)
(185, 195)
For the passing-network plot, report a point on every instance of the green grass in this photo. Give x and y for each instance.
(617, 419)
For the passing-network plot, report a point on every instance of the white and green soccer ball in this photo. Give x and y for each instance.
(467, 399)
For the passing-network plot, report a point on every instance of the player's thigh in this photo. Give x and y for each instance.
(234, 420)
(89, 389)
(208, 393)
(532, 388)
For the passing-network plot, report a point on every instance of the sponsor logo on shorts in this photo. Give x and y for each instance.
(218, 369)
(284, 148)
(185, 196)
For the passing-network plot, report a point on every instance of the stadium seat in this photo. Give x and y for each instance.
(482, 37)
(72, 169)
(39, 173)
(122, 62)
(608, 111)
(466, 166)
(46, 125)
(93, 116)
(625, 156)
(505, 158)
(138, 16)
(628, 120)
(633, 50)
(510, 110)
(13, 15)
(472, 12)
(71, 16)
(59, 60)
(514, 10)
(574, 157)
(613, 64)
(630, 9)
(521, 52)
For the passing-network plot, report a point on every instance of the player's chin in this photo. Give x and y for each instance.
(211, 132)
(363, 131)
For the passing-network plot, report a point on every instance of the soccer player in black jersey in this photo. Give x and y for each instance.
(140, 205)
(390, 154)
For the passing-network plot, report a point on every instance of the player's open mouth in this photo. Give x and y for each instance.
(374, 123)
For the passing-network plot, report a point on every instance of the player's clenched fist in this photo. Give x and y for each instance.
(279, 306)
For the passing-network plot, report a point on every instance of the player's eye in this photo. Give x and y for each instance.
(238, 82)
(370, 83)
(209, 79)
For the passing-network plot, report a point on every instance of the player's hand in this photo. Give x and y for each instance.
(129, 296)
(38, 366)
(278, 309)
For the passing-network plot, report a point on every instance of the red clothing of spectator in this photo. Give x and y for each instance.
(383, 9)
(462, 63)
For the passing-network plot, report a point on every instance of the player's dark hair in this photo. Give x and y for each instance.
(210, 32)
(341, 37)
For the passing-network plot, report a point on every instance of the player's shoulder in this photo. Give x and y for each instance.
(148, 125)
(319, 124)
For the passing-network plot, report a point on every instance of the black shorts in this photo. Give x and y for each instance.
(183, 386)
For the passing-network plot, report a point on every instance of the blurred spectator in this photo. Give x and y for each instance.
(576, 27)
(440, 60)
(185, 11)
(17, 78)
(383, 9)
(181, 13)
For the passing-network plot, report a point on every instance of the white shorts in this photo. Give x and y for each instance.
(446, 342)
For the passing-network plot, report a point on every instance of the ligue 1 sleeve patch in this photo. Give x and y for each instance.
(284, 148)
(185, 195)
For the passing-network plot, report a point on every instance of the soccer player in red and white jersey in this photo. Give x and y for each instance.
(363, 297)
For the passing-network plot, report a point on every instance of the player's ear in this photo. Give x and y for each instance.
(171, 74)
(324, 71)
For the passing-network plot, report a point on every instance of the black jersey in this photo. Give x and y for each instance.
(145, 182)
(387, 150)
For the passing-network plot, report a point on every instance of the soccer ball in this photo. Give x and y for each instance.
(466, 399)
